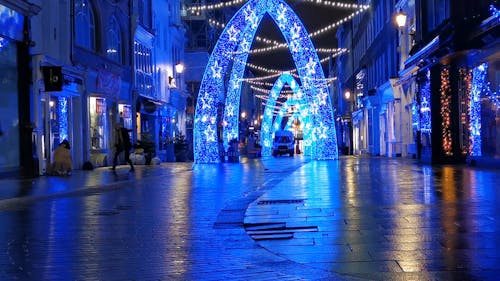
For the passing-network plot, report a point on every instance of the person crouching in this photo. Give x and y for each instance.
(62, 164)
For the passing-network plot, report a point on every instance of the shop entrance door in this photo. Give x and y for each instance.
(57, 125)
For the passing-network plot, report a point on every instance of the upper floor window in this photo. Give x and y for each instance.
(84, 25)
(145, 13)
(438, 11)
(114, 42)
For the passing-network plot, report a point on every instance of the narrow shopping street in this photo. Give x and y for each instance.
(284, 218)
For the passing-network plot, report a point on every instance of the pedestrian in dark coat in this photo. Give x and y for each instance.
(123, 144)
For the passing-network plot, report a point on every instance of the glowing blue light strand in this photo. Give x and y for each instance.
(425, 106)
(63, 118)
(478, 81)
(241, 29)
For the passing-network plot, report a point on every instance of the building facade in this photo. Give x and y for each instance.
(17, 140)
(158, 80)
(455, 65)
(370, 108)
(76, 70)
(427, 88)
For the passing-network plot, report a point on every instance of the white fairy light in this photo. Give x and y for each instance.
(198, 8)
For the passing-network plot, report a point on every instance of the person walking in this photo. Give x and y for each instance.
(124, 144)
(62, 164)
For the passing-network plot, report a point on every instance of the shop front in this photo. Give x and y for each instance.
(17, 157)
(9, 106)
(148, 126)
(99, 130)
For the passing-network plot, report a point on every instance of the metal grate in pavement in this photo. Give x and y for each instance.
(275, 230)
(280, 201)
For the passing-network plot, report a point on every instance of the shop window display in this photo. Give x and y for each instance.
(9, 116)
(98, 123)
(58, 121)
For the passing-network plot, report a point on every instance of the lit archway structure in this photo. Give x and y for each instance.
(268, 127)
(231, 53)
(302, 112)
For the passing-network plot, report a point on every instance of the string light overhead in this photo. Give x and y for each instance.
(221, 5)
(270, 70)
(316, 33)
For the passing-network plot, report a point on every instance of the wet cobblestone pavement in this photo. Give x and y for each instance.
(266, 219)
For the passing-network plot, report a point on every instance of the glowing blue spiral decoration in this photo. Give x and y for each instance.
(231, 52)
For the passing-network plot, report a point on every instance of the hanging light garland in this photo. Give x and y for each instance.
(445, 98)
(311, 35)
(465, 108)
(221, 5)
(278, 45)
(270, 70)
(266, 91)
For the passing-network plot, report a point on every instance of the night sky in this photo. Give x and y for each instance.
(314, 17)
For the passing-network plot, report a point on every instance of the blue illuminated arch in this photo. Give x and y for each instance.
(267, 129)
(303, 113)
(231, 51)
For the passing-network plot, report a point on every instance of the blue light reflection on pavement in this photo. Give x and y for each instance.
(387, 215)
(377, 218)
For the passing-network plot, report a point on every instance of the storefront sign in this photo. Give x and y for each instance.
(100, 105)
(52, 78)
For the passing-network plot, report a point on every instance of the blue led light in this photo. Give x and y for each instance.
(494, 11)
(425, 106)
(231, 53)
(62, 112)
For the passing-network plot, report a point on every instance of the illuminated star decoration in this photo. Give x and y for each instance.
(233, 33)
(311, 66)
(206, 101)
(228, 59)
(322, 97)
(230, 110)
(216, 70)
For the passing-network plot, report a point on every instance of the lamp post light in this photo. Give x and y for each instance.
(179, 68)
(347, 95)
(401, 19)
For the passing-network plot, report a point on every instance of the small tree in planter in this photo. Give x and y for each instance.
(180, 148)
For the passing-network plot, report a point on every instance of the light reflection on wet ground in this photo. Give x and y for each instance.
(382, 218)
(373, 218)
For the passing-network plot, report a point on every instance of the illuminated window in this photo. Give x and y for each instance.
(84, 25)
(114, 42)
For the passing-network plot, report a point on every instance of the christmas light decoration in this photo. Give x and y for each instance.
(63, 117)
(478, 81)
(465, 103)
(425, 106)
(445, 98)
(241, 28)
(494, 11)
(269, 70)
(276, 45)
(268, 126)
(194, 9)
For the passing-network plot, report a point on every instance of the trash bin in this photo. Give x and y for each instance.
(233, 153)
